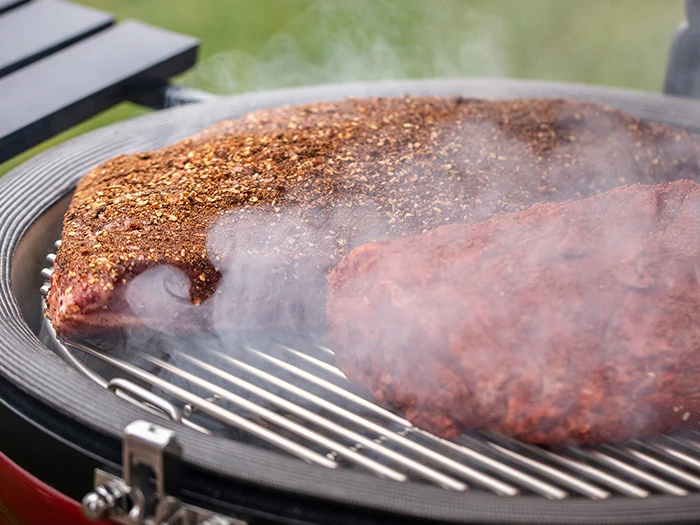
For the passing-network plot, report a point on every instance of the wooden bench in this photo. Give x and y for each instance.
(62, 63)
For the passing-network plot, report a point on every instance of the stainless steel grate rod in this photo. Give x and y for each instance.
(634, 472)
(358, 439)
(590, 472)
(430, 454)
(216, 411)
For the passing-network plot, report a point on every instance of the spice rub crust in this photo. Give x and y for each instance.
(330, 176)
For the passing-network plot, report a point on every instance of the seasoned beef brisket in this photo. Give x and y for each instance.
(567, 322)
(259, 209)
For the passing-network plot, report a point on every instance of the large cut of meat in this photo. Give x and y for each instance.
(238, 226)
(567, 322)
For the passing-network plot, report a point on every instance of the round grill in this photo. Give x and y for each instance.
(283, 393)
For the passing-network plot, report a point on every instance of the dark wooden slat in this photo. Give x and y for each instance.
(6, 5)
(72, 85)
(40, 28)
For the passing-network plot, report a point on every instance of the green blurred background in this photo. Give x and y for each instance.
(262, 44)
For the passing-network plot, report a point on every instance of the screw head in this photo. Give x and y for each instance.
(94, 506)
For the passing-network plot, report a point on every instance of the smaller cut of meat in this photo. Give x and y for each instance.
(570, 322)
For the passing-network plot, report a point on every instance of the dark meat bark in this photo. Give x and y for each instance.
(261, 208)
(568, 322)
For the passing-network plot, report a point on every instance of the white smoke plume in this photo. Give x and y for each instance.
(363, 40)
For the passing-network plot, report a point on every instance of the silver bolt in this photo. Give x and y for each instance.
(105, 499)
(95, 506)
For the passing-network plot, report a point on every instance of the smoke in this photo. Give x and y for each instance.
(555, 306)
(158, 290)
(563, 322)
(332, 42)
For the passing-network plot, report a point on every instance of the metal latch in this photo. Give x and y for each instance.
(148, 452)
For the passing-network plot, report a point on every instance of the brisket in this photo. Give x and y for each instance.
(571, 322)
(259, 209)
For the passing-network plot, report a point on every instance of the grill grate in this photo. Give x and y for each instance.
(293, 398)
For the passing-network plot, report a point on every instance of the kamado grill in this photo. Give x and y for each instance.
(267, 429)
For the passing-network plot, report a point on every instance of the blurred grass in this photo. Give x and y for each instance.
(262, 44)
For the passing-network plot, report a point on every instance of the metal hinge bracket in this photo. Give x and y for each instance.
(149, 452)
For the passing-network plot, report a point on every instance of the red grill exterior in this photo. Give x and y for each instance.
(26, 500)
